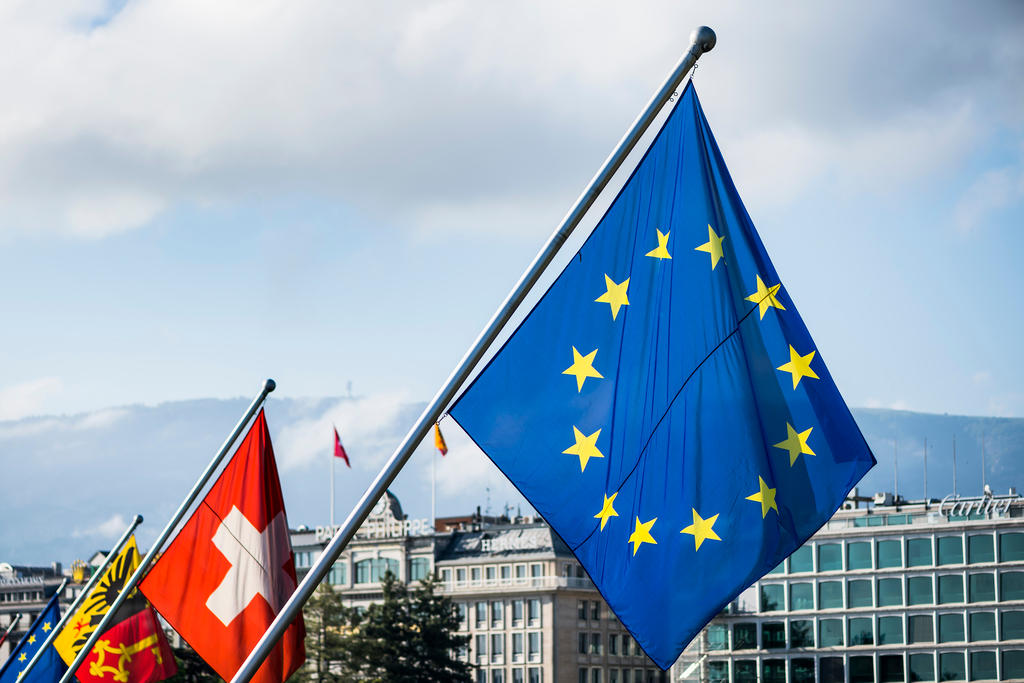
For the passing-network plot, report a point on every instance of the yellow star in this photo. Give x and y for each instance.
(22, 657)
(701, 529)
(585, 447)
(642, 534)
(615, 296)
(582, 367)
(795, 443)
(764, 297)
(713, 246)
(660, 251)
(766, 497)
(799, 366)
(31, 639)
(607, 511)
(46, 626)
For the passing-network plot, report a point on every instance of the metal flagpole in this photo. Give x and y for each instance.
(333, 458)
(702, 40)
(158, 544)
(10, 627)
(433, 490)
(85, 592)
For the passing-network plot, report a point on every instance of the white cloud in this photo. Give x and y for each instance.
(994, 190)
(27, 398)
(112, 527)
(100, 419)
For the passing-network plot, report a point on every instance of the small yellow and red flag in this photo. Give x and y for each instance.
(439, 443)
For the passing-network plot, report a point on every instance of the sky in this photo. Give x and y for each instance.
(195, 196)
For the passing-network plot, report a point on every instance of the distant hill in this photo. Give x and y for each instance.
(68, 484)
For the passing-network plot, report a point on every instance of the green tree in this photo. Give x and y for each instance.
(328, 626)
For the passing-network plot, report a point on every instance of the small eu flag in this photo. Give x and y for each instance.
(663, 406)
(50, 667)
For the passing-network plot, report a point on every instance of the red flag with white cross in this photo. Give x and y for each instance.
(230, 569)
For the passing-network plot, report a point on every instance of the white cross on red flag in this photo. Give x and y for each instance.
(229, 571)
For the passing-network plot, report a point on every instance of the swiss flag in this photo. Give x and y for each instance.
(229, 571)
(339, 450)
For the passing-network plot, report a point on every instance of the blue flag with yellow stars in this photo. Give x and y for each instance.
(50, 667)
(663, 406)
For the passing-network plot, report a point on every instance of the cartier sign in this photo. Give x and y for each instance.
(955, 505)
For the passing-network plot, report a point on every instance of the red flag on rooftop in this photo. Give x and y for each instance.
(229, 571)
(339, 450)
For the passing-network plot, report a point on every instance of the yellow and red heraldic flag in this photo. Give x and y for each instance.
(132, 650)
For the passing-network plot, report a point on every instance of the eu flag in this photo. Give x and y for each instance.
(663, 406)
(50, 667)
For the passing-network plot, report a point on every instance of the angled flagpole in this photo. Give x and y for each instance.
(701, 40)
(10, 627)
(158, 544)
(81, 596)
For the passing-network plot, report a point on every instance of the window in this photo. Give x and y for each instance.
(773, 635)
(490, 573)
(481, 615)
(801, 633)
(533, 646)
(517, 612)
(951, 589)
(474, 576)
(861, 632)
(862, 669)
(520, 571)
(1013, 625)
(951, 667)
(830, 633)
(890, 592)
(481, 676)
(338, 576)
(583, 676)
(1011, 547)
(719, 643)
(919, 629)
(922, 667)
(890, 630)
(951, 550)
(830, 594)
(980, 549)
(481, 648)
(744, 671)
(919, 552)
(830, 557)
(517, 676)
(419, 567)
(801, 671)
(506, 574)
(373, 570)
(718, 639)
(744, 637)
(536, 570)
(981, 587)
(498, 676)
(595, 610)
(780, 568)
(983, 666)
(1013, 664)
(858, 593)
(773, 671)
(890, 668)
(802, 560)
(517, 648)
(497, 614)
(801, 596)
(889, 554)
(497, 648)
(772, 597)
(613, 676)
(982, 626)
(460, 575)
(462, 611)
(858, 555)
(919, 590)
(718, 672)
(595, 675)
(596, 648)
(581, 610)
(581, 643)
(831, 669)
(533, 612)
(534, 675)
(1011, 586)
(951, 628)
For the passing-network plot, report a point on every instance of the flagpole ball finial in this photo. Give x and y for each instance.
(138, 520)
(269, 385)
(704, 38)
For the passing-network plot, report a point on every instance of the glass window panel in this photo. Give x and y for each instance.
(890, 592)
(980, 548)
(890, 668)
(919, 629)
(1011, 547)
(581, 610)
(744, 671)
(919, 590)
(831, 669)
(1013, 625)
(1011, 586)
(889, 554)
(982, 626)
(951, 589)
(983, 666)
(830, 594)
(801, 670)
(952, 666)
(772, 597)
(951, 550)
(890, 630)
(830, 557)
(919, 552)
(861, 632)
(773, 671)
(773, 635)
(744, 636)
(858, 593)
(862, 669)
(780, 568)
(951, 628)
(830, 633)
(801, 633)
(1013, 664)
(922, 667)
(802, 560)
(718, 638)
(801, 596)
(718, 672)
(858, 555)
(981, 587)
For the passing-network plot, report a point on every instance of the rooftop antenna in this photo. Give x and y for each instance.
(983, 484)
(954, 465)
(926, 473)
(895, 474)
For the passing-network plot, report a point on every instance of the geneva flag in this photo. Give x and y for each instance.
(663, 406)
(229, 571)
(49, 668)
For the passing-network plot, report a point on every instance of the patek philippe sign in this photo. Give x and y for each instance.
(957, 506)
(379, 528)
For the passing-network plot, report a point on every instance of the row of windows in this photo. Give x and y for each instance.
(588, 609)
(22, 596)
(491, 647)
(622, 675)
(496, 610)
(370, 570)
(950, 666)
(898, 553)
(942, 589)
(491, 573)
(593, 644)
(532, 674)
(888, 630)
